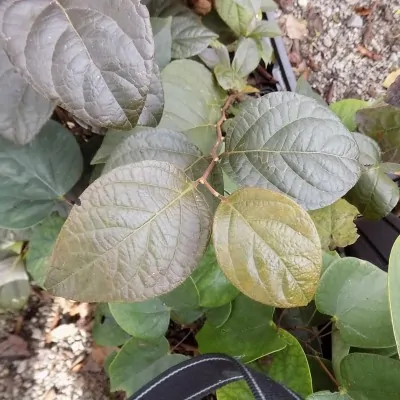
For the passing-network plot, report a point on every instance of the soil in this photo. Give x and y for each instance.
(346, 48)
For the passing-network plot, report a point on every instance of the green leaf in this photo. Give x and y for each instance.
(266, 29)
(346, 110)
(268, 5)
(165, 145)
(185, 296)
(218, 54)
(186, 316)
(96, 59)
(162, 40)
(154, 104)
(192, 106)
(265, 49)
(228, 78)
(329, 259)
(354, 293)
(248, 334)
(107, 362)
(33, 177)
(304, 88)
(23, 111)
(239, 15)
(214, 288)
(393, 287)
(268, 247)
(335, 224)
(145, 320)
(111, 140)
(189, 36)
(235, 391)
(140, 231)
(273, 144)
(340, 349)
(327, 395)
(246, 57)
(138, 362)
(375, 194)
(370, 153)
(106, 331)
(288, 366)
(14, 284)
(41, 247)
(372, 377)
(382, 123)
(218, 316)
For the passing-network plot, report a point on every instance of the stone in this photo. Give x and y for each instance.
(327, 41)
(355, 21)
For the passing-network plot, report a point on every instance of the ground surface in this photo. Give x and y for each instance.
(347, 47)
(46, 352)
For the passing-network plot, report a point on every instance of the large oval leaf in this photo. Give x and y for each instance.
(140, 231)
(354, 292)
(93, 58)
(145, 320)
(33, 177)
(394, 293)
(192, 106)
(23, 111)
(291, 143)
(268, 247)
(248, 334)
(370, 376)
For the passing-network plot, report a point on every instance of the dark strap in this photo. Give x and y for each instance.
(196, 378)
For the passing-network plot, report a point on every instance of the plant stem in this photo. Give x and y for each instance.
(180, 342)
(322, 365)
(214, 151)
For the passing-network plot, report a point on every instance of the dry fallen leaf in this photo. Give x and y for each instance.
(391, 78)
(62, 332)
(368, 53)
(100, 353)
(363, 11)
(200, 7)
(296, 28)
(14, 347)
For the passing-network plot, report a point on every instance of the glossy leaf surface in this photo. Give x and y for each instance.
(91, 57)
(290, 143)
(140, 231)
(268, 247)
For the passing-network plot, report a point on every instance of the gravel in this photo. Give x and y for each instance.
(48, 373)
(330, 54)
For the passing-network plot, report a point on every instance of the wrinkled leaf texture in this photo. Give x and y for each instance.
(90, 56)
(140, 231)
(290, 143)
